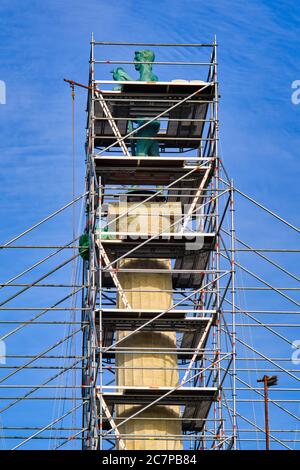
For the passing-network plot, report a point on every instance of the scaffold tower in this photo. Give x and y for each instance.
(155, 350)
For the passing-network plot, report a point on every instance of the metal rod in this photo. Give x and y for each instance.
(281, 219)
(151, 44)
(46, 427)
(267, 259)
(38, 280)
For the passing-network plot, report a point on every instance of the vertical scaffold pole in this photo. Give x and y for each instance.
(90, 339)
(232, 232)
(219, 421)
(100, 319)
(94, 279)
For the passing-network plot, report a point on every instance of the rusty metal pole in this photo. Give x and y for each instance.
(268, 381)
(266, 396)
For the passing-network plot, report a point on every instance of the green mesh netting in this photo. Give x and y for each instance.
(84, 243)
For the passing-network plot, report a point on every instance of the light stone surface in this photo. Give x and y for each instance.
(149, 218)
(138, 369)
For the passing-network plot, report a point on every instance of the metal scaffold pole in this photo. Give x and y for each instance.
(233, 292)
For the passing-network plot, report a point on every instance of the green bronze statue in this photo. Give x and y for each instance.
(145, 69)
(143, 64)
(146, 147)
(120, 75)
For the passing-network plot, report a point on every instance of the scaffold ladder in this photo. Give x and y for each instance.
(112, 123)
(112, 423)
(114, 276)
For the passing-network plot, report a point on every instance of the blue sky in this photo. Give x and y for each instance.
(41, 42)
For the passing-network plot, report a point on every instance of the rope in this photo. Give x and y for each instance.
(69, 347)
(73, 159)
(74, 264)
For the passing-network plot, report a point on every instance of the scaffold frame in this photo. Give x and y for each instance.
(217, 363)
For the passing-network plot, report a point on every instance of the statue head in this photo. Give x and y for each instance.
(143, 56)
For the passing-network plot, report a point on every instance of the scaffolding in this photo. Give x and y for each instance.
(216, 374)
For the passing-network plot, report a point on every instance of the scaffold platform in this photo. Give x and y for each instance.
(185, 122)
(170, 396)
(152, 170)
(196, 402)
(168, 245)
(114, 320)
